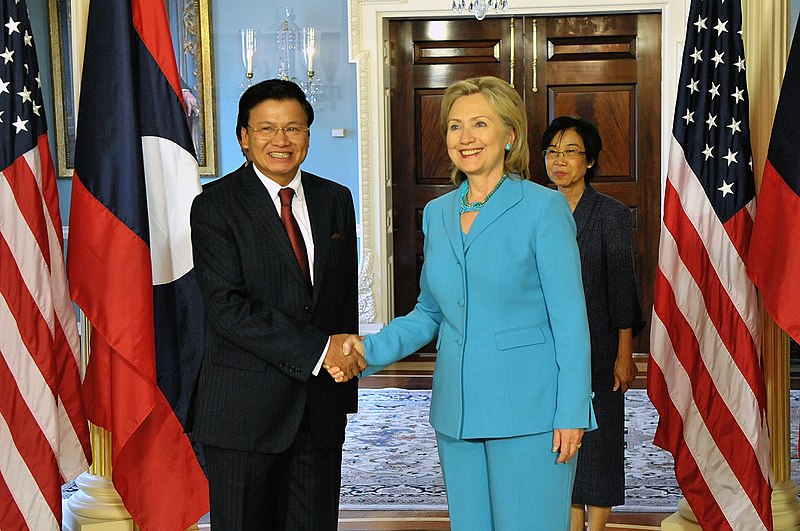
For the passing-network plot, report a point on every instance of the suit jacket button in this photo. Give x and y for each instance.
(307, 309)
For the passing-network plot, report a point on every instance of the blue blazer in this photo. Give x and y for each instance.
(506, 305)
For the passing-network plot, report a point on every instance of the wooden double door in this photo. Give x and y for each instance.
(606, 69)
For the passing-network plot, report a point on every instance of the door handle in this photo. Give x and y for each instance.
(512, 62)
(534, 56)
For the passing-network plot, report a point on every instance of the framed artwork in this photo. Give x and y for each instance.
(63, 85)
(190, 26)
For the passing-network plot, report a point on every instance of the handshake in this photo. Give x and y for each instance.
(345, 357)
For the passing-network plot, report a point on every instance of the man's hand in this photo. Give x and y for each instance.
(345, 358)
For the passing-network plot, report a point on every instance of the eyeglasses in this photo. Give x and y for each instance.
(268, 132)
(569, 153)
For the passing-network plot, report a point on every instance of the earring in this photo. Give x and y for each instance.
(508, 146)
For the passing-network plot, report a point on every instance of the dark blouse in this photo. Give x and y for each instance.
(605, 242)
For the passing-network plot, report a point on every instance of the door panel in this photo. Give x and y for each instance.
(603, 68)
(426, 56)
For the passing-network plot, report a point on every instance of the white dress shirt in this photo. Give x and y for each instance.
(300, 211)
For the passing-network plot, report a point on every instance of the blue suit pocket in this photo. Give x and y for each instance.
(519, 337)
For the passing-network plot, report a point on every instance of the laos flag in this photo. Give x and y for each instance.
(129, 259)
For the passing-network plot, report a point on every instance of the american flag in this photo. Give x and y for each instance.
(705, 376)
(44, 436)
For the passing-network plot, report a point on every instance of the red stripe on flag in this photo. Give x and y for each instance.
(740, 230)
(723, 426)
(107, 245)
(669, 435)
(775, 252)
(721, 310)
(149, 19)
(35, 333)
(30, 441)
(29, 201)
(10, 516)
(49, 187)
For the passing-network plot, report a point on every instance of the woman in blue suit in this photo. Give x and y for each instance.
(501, 292)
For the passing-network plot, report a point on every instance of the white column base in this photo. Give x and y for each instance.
(785, 506)
(96, 506)
(683, 520)
(785, 511)
(74, 522)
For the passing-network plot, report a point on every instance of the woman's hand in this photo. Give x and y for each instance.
(568, 441)
(624, 368)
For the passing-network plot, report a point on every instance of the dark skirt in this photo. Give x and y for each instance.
(600, 475)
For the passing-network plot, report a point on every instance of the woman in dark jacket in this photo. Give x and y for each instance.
(571, 147)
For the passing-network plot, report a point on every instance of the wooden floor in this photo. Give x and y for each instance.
(416, 373)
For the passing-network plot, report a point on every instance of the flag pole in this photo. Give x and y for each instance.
(775, 349)
(766, 34)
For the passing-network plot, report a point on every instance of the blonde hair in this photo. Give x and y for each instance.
(507, 103)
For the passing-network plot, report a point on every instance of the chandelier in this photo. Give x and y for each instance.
(479, 8)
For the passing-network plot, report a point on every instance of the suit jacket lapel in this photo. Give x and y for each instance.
(259, 205)
(452, 223)
(508, 195)
(319, 214)
(583, 210)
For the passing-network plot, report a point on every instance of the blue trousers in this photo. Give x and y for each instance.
(509, 484)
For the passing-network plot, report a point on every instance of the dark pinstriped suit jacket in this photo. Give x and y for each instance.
(265, 330)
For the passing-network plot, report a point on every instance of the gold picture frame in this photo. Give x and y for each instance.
(190, 24)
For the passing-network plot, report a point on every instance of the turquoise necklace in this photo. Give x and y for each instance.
(465, 206)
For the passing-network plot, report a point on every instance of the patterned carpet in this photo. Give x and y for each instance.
(390, 459)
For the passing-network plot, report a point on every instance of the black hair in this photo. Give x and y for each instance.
(586, 130)
(271, 89)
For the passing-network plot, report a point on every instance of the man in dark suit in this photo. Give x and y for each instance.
(275, 256)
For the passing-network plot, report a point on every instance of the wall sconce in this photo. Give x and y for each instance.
(289, 38)
(249, 45)
(310, 50)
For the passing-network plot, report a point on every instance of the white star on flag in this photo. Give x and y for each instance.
(21, 124)
(25, 94)
(12, 26)
(726, 188)
(731, 157)
(701, 23)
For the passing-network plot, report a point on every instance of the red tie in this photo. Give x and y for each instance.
(293, 230)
